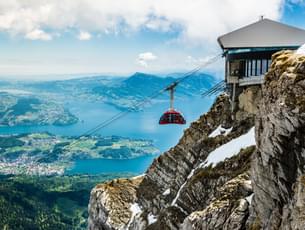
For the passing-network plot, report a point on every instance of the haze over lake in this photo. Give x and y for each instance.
(139, 124)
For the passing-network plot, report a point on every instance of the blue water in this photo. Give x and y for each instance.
(95, 166)
(142, 125)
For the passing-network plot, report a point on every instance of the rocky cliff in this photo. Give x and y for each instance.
(218, 176)
(278, 170)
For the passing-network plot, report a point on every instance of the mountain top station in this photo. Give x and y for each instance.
(248, 52)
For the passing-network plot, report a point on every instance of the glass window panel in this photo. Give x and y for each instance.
(264, 66)
(258, 67)
(235, 68)
(249, 68)
(253, 68)
(269, 63)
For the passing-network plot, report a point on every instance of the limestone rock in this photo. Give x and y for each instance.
(109, 206)
(278, 165)
(248, 102)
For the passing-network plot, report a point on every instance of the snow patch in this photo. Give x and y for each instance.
(249, 198)
(301, 50)
(220, 154)
(182, 186)
(137, 177)
(220, 131)
(166, 192)
(151, 218)
(135, 209)
(232, 147)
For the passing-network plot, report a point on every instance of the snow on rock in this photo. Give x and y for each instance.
(166, 192)
(231, 148)
(135, 209)
(151, 218)
(221, 153)
(182, 186)
(139, 176)
(220, 131)
(301, 50)
(249, 198)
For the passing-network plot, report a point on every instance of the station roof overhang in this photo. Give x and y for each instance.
(263, 35)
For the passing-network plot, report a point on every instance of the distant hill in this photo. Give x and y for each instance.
(68, 86)
(121, 92)
(140, 86)
(21, 109)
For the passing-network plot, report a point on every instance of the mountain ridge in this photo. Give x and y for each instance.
(120, 92)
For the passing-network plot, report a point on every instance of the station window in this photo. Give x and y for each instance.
(249, 67)
(269, 63)
(235, 68)
(253, 72)
(264, 66)
(258, 68)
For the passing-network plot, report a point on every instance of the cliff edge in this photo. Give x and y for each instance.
(278, 165)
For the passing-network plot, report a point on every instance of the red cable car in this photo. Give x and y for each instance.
(172, 116)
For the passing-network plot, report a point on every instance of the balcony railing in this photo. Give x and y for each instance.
(253, 80)
(232, 79)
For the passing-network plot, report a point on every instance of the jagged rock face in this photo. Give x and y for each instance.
(214, 197)
(178, 192)
(109, 206)
(248, 102)
(212, 183)
(171, 191)
(229, 211)
(278, 170)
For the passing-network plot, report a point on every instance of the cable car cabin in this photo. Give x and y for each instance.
(172, 117)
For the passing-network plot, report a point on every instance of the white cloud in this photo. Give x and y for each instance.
(83, 35)
(196, 21)
(38, 35)
(197, 61)
(144, 58)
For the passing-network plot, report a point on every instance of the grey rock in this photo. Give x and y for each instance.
(278, 164)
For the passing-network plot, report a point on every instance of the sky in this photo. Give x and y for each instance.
(49, 39)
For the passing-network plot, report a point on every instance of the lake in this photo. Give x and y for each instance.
(96, 166)
(143, 125)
